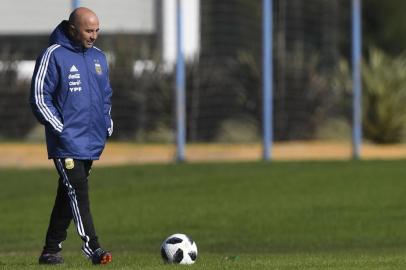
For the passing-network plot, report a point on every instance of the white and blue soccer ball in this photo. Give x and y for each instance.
(179, 249)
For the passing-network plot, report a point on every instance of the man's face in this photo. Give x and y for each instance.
(86, 31)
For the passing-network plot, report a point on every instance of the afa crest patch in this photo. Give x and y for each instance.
(98, 68)
(69, 163)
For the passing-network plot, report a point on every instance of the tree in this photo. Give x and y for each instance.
(384, 25)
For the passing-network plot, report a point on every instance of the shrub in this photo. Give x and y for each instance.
(17, 119)
(383, 97)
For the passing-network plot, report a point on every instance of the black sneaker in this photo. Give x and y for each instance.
(50, 258)
(101, 257)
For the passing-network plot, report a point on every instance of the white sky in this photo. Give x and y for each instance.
(130, 16)
(191, 30)
(41, 16)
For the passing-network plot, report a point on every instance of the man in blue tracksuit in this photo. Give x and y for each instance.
(70, 96)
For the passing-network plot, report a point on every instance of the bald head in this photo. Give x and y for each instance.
(81, 14)
(83, 26)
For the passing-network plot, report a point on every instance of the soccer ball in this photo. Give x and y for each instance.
(179, 248)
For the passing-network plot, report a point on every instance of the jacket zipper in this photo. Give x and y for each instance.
(90, 105)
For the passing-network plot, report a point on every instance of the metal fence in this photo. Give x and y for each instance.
(225, 70)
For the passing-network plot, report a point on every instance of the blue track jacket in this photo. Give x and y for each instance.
(70, 95)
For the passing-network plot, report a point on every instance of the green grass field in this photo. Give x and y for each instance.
(280, 215)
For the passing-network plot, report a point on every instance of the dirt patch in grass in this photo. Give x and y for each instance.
(24, 155)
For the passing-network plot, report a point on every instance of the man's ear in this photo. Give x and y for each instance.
(72, 29)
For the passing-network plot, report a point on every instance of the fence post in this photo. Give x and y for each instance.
(180, 86)
(356, 78)
(267, 76)
(75, 4)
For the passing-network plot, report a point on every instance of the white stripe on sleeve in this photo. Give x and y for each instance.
(39, 90)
